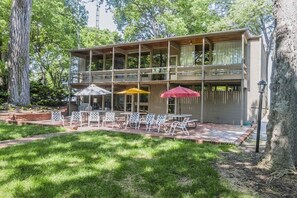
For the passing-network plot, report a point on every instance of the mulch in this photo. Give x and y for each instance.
(240, 170)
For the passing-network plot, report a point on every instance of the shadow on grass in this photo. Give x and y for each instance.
(12, 131)
(108, 164)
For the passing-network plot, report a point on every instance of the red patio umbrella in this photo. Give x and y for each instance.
(180, 92)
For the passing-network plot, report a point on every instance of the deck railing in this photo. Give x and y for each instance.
(176, 73)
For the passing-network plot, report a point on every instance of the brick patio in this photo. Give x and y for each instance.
(206, 132)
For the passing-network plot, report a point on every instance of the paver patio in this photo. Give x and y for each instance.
(206, 132)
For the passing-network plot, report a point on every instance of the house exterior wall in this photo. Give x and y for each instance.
(254, 62)
(156, 104)
(222, 107)
(219, 106)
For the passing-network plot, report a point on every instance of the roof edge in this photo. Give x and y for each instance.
(209, 34)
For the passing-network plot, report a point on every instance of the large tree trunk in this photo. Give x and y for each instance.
(18, 60)
(281, 147)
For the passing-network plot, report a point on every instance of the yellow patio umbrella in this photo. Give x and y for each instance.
(133, 91)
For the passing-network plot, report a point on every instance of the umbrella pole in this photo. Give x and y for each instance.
(89, 100)
(132, 105)
(179, 106)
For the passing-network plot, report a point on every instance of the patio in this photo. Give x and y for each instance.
(206, 132)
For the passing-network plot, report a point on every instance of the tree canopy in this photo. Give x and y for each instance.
(143, 19)
(60, 25)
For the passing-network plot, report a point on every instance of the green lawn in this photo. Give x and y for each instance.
(12, 131)
(108, 164)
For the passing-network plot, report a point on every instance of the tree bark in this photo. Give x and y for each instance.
(18, 59)
(281, 146)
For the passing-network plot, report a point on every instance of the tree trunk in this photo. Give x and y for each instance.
(18, 60)
(281, 147)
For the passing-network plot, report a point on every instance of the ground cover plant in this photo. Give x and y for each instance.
(110, 164)
(12, 131)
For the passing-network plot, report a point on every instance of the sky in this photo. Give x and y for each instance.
(105, 18)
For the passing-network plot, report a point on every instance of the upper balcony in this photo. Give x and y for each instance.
(214, 56)
(174, 73)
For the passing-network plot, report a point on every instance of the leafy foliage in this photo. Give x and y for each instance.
(254, 15)
(47, 96)
(4, 23)
(54, 32)
(143, 19)
(91, 37)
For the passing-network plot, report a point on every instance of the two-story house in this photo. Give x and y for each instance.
(224, 67)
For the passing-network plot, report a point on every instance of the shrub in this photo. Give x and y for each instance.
(46, 96)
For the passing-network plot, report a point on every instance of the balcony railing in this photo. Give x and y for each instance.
(176, 73)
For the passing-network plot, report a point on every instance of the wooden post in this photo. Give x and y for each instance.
(69, 86)
(202, 82)
(112, 78)
(138, 83)
(125, 103)
(90, 67)
(242, 80)
(167, 73)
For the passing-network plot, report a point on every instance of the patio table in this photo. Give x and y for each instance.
(179, 117)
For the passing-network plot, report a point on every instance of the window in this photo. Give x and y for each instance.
(108, 62)
(132, 61)
(160, 58)
(187, 55)
(145, 60)
(143, 99)
(171, 105)
(199, 54)
(227, 53)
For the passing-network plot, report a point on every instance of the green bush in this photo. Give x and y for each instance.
(46, 96)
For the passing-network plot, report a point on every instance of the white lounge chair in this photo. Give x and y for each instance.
(148, 121)
(56, 116)
(94, 116)
(109, 117)
(161, 119)
(179, 125)
(134, 119)
(76, 117)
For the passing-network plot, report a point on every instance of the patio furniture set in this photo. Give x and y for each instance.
(132, 120)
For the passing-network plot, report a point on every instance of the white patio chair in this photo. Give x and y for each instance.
(109, 117)
(161, 119)
(56, 116)
(134, 119)
(76, 117)
(94, 116)
(148, 121)
(179, 125)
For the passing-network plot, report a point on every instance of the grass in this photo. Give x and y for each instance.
(109, 164)
(12, 131)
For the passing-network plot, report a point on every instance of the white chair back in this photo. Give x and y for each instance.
(94, 116)
(150, 118)
(109, 116)
(161, 119)
(56, 116)
(134, 118)
(76, 117)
